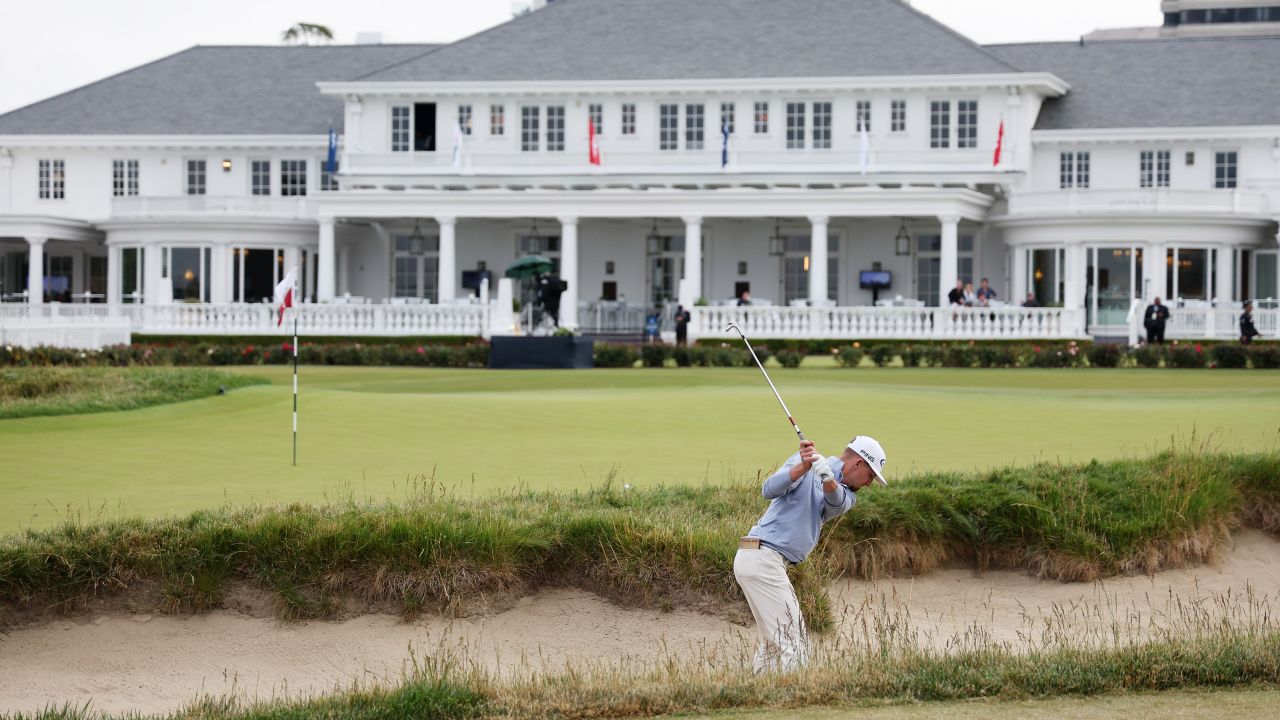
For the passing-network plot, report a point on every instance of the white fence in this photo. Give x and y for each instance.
(1207, 321)
(70, 326)
(881, 323)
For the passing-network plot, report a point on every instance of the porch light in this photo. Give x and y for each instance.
(653, 241)
(806, 263)
(777, 241)
(417, 243)
(902, 242)
(226, 165)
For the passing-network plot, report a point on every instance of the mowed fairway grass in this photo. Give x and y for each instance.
(376, 432)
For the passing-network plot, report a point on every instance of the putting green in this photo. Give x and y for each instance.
(374, 432)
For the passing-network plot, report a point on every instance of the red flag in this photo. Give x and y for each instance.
(284, 294)
(593, 143)
(999, 144)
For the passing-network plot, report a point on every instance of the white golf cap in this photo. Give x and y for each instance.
(870, 451)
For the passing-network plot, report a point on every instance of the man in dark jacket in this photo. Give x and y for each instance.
(1247, 330)
(1154, 320)
(956, 296)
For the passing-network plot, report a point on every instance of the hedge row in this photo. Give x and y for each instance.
(962, 355)
(271, 353)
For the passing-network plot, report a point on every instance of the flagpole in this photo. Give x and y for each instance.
(295, 389)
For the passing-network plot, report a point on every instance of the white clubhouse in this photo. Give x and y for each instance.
(862, 146)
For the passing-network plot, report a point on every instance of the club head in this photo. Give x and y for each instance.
(735, 328)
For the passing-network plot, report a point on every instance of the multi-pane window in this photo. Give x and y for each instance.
(1224, 169)
(795, 126)
(1073, 170)
(940, 124)
(400, 128)
(595, 112)
(124, 177)
(497, 120)
(628, 118)
(52, 177)
(762, 118)
(821, 125)
(555, 128)
(726, 117)
(694, 126)
(293, 177)
(196, 177)
(898, 116)
(529, 128)
(668, 127)
(967, 124)
(464, 119)
(863, 116)
(1153, 168)
(260, 177)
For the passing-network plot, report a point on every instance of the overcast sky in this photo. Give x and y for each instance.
(51, 46)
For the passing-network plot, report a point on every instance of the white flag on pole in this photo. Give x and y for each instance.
(864, 147)
(458, 138)
(284, 294)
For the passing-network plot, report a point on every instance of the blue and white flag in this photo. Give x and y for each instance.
(724, 145)
(331, 164)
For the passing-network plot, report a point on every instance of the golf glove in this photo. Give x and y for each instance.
(823, 469)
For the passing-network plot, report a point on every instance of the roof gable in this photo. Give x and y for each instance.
(211, 90)
(1169, 83)
(690, 39)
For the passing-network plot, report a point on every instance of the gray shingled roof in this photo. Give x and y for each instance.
(1184, 82)
(218, 90)
(687, 39)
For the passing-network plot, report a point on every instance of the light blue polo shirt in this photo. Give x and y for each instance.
(798, 509)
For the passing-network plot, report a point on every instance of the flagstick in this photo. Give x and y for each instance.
(295, 389)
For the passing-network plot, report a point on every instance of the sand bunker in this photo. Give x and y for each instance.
(156, 663)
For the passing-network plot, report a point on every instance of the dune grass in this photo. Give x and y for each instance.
(368, 430)
(40, 391)
(655, 548)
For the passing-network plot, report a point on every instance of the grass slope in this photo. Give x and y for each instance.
(366, 431)
(40, 392)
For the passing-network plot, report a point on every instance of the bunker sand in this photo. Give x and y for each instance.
(155, 663)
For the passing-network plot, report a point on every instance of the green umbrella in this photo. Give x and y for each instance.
(529, 266)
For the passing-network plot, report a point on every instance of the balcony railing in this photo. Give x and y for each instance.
(885, 323)
(627, 160)
(218, 205)
(1226, 202)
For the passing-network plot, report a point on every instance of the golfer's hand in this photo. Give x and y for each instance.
(808, 455)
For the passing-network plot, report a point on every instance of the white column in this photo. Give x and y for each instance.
(692, 259)
(1018, 292)
(1226, 274)
(324, 290)
(448, 280)
(949, 271)
(1073, 283)
(153, 279)
(818, 249)
(1153, 266)
(344, 274)
(221, 264)
(35, 270)
(569, 272)
(113, 274)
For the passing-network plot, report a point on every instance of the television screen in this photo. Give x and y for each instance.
(471, 279)
(875, 279)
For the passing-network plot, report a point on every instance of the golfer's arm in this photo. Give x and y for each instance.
(781, 482)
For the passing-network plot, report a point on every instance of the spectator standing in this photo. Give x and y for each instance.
(985, 293)
(956, 296)
(682, 319)
(1247, 329)
(1030, 302)
(1154, 321)
(744, 298)
(970, 297)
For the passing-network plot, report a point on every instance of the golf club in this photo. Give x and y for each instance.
(824, 472)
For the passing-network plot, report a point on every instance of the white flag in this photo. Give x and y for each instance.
(457, 144)
(284, 294)
(864, 147)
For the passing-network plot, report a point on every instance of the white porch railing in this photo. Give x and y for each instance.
(69, 326)
(230, 205)
(1138, 201)
(881, 323)
(1210, 321)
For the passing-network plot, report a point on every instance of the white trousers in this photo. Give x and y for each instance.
(784, 642)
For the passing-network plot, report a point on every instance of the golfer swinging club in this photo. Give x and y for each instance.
(788, 531)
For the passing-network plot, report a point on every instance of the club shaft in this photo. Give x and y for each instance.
(768, 380)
